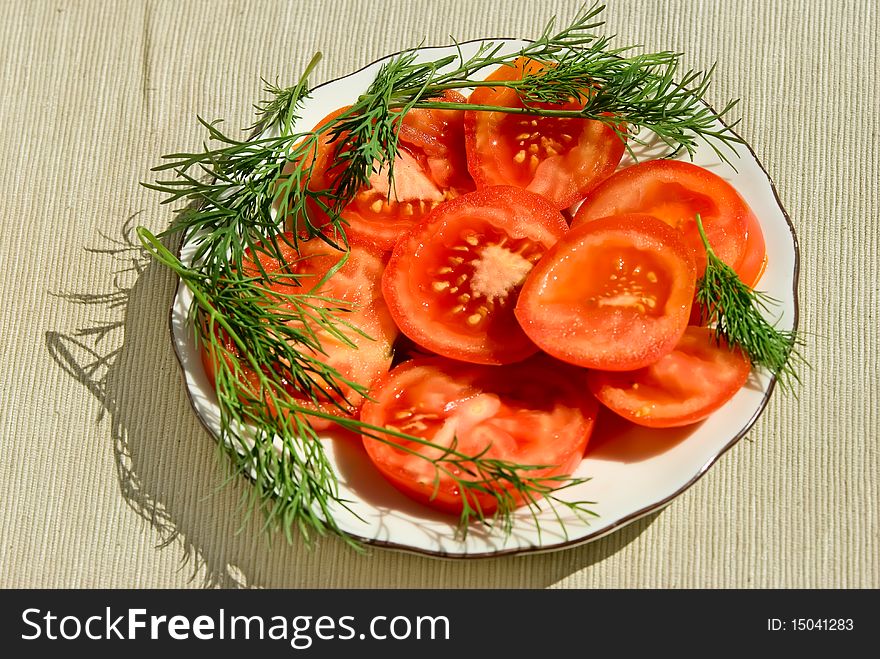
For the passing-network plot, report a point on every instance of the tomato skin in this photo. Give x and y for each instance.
(430, 168)
(613, 294)
(442, 272)
(681, 388)
(754, 262)
(675, 191)
(356, 286)
(560, 159)
(536, 412)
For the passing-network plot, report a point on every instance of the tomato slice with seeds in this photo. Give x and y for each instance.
(356, 298)
(614, 294)
(675, 191)
(452, 281)
(561, 159)
(682, 387)
(537, 412)
(430, 168)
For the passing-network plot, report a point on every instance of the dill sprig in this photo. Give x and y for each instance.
(241, 193)
(736, 313)
(267, 434)
(634, 91)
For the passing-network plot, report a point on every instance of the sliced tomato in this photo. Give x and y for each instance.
(754, 262)
(682, 387)
(675, 191)
(430, 167)
(356, 297)
(537, 412)
(613, 294)
(561, 159)
(453, 280)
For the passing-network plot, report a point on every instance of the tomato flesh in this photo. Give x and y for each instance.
(682, 387)
(538, 412)
(612, 294)
(430, 167)
(357, 300)
(561, 159)
(675, 192)
(452, 281)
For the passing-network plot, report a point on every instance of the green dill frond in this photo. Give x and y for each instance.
(736, 313)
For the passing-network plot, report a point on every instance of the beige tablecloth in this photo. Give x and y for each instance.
(106, 476)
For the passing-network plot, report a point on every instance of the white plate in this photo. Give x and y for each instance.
(631, 476)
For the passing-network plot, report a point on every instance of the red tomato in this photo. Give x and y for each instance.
(430, 168)
(754, 261)
(675, 191)
(453, 280)
(682, 387)
(613, 294)
(560, 159)
(538, 412)
(357, 286)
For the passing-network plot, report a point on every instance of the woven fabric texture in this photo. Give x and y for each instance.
(107, 478)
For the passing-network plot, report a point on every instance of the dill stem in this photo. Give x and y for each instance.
(164, 256)
(544, 112)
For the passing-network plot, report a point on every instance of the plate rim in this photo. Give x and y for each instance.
(617, 524)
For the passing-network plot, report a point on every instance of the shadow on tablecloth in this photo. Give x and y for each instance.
(171, 474)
